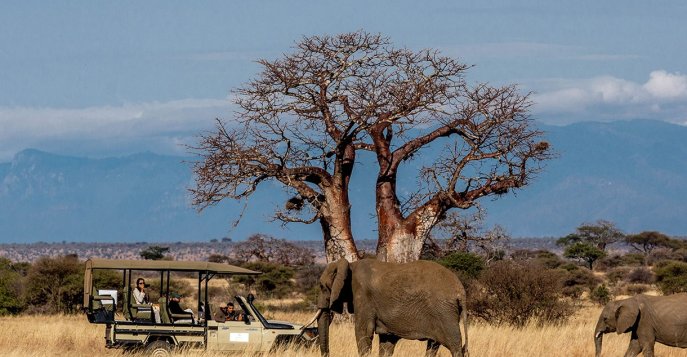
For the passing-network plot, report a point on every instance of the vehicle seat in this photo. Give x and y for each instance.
(164, 316)
(135, 312)
(176, 317)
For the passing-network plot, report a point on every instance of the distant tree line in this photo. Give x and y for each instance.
(505, 285)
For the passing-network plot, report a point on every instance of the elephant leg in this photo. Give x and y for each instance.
(432, 348)
(364, 332)
(634, 348)
(648, 349)
(387, 344)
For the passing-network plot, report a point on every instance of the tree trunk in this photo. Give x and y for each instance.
(401, 240)
(336, 227)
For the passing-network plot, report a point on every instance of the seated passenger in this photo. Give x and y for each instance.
(174, 307)
(227, 313)
(141, 298)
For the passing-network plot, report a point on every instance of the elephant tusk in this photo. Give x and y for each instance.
(598, 334)
(317, 316)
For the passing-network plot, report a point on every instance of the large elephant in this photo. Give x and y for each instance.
(650, 319)
(420, 300)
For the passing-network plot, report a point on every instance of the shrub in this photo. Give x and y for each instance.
(601, 295)
(468, 265)
(618, 274)
(581, 278)
(275, 280)
(11, 301)
(641, 276)
(55, 285)
(308, 282)
(631, 289)
(671, 277)
(518, 292)
(633, 259)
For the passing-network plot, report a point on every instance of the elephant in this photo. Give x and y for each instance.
(649, 319)
(419, 300)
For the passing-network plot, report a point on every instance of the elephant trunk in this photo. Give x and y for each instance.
(323, 322)
(598, 339)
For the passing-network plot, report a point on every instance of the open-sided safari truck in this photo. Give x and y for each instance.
(131, 326)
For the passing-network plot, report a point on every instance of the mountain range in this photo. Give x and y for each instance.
(633, 173)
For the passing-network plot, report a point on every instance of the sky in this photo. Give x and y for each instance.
(95, 78)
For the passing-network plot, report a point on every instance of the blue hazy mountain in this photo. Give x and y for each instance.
(632, 173)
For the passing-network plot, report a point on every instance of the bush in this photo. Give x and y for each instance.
(641, 276)
(518, 292)
(578, 280)
(11, 301)
(308, 282)
(467, 265)
(275, 280)
(618, 274)
(633, 259)
(671, 277)
(601, 295)
(55, 285)
(631, 289)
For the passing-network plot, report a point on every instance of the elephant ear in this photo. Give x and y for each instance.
(341, 286)
(626, 315)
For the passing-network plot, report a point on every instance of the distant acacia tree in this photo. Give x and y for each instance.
(305, 118)
(646, 242)
(154, 252)
(599, 234)
(584, 252)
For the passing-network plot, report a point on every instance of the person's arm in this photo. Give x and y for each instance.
(139, 296)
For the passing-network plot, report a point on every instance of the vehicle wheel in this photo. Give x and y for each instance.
(159, 349)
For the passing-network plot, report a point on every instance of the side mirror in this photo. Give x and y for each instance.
(251, 298)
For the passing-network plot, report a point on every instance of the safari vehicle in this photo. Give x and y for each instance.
(133, 327)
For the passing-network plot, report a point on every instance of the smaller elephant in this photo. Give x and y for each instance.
(420, 300)
(649, 319)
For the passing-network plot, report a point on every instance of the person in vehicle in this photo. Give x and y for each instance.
(141, 298)
(174, 307)
(228, 313)
(139, 293)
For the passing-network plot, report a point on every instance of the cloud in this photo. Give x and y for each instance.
(156, 126)
(666, 85)
(662, 97)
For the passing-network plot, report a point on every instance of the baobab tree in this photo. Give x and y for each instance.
(307, 115)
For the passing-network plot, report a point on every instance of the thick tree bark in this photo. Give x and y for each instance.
(336, 228)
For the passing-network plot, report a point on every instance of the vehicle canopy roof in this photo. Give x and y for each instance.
(158, 265)
(120, 264)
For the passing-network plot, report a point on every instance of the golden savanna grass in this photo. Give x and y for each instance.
(74, 336)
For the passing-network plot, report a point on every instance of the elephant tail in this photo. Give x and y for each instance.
(464, 317)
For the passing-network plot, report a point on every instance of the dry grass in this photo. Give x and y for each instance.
(74, 336)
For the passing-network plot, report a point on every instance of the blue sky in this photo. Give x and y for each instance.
(95, 78)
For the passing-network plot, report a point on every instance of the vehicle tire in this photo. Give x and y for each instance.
(159, 348)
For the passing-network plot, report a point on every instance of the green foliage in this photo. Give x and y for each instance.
(601, 295)
(645, 242)
(308, 282)
(10, 288)
(466, 264)
(599, 235)
(671, 277)
(516, 292)
(275, 280)
(576, 281)
(55, 285)
(584, 252)
(154, 252)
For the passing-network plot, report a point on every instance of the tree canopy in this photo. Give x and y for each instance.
(306, 117)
